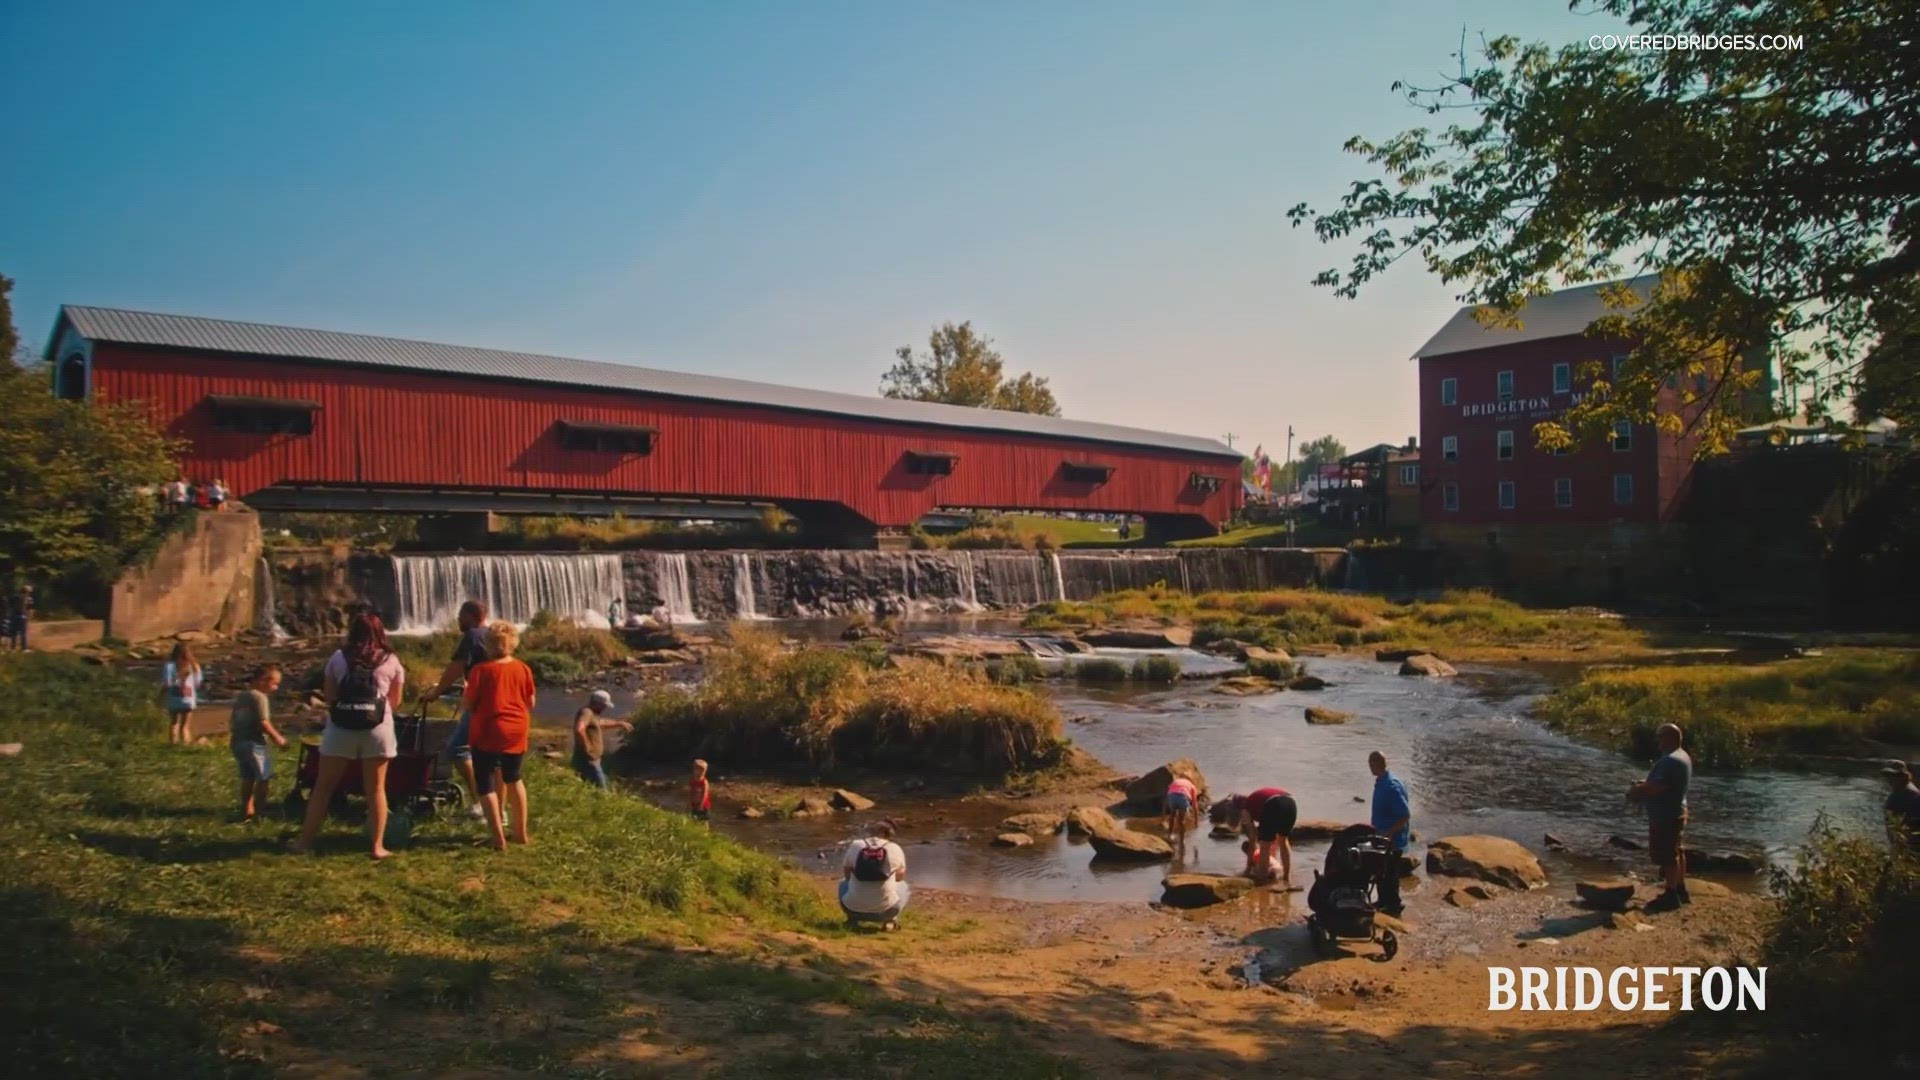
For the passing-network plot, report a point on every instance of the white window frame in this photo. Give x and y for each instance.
(1450, 448)
(1409, 475)
(1449, 391)
(1563, 493)
(1509, 495)
(1503, 385)
(1563, 378)
(1622, 436)
(1617, 478)
(1503, 445)
(1450, 497)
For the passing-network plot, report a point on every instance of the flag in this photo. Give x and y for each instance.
(1260, 464)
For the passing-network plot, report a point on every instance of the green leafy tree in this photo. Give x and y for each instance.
(962, 368)
(1325, 450)
(1777, 192)
(71, 473)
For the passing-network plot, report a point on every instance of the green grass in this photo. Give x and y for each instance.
(1157, 669)
(146, 934)
(1032, 532)
(1737, 715)
(1246, 536)
(1099, 669)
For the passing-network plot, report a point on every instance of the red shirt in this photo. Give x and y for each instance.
(500, 695)
(702, 794)
(1258, 799)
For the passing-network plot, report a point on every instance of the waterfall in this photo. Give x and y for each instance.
(1059, 580)
(577, 588)
(265, 619)
(969, 587)
(744, 604)
(676, 588)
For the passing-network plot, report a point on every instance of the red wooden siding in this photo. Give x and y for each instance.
(398, 430)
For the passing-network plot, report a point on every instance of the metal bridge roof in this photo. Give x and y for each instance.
(1557, 314)
(285, 342)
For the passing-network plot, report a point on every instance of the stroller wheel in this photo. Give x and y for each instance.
(1389, 945)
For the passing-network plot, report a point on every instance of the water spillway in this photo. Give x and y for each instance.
(429, 589)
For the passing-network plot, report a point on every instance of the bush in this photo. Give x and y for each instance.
(1277, 670)
(553, 668)
(1164, 670)
(1100, 670)
(1015, 670)
(594, 649)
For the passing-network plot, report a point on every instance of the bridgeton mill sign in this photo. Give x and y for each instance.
(1518, 406)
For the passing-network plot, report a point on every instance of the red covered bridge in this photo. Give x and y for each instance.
(311, 419)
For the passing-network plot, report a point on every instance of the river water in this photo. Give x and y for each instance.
(1471, 758)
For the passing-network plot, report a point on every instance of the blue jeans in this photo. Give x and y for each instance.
(901, 888)
(458, 748)
(590, 771)
(256, 765)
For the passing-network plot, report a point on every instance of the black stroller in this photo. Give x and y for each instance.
(1345, 898)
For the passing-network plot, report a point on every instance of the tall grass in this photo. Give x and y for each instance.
(1735, 715)
(762, 705)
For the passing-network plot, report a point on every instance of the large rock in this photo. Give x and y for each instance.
(1307, 682)
(1224, 831)
(1034, 824)
(1613, 894)
(1488, 858)
(1396, 655)
(1318, 715)
(1087, 820)
(962, 647)
(1246, 686)
(1318, 829)
(1202, 890)
(1428, 665)
(812, 808)
(847, 800)
(1150, 790)
(1124, 844)
(1164, 637)
(1724, 860)
(1253, 653)
(1012, 839)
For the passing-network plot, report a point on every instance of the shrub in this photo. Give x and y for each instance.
(543, 620)
(1164, 670)
(1133, 606)
(552, 668)
(1100, 669)
(593, 648)
(1277, 670)
(1015, 670)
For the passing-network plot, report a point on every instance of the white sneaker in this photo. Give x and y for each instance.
(476, 812)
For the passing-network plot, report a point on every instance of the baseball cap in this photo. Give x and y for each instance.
(600, 697)
(1896, 768)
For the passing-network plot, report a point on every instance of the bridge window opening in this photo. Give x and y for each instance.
(930, 463)
(70, 381)
(1077, 473)
(606, 438)
(235, 415)
(1203, 482)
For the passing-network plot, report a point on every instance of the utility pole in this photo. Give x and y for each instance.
(1230, 438)
(1293, 485)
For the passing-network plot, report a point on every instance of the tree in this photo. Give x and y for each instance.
(71, 473)
(1777, 191)
(1325, 450)
(962, 368)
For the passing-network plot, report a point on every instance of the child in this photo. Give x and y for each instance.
(180, 683)
(588, 724)
(1180, 815)
(701, 795)
(1253, 869)
(500, 697)
(248, 730)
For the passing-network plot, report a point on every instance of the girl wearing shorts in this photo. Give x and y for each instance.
(180, 687)
(371, 742)
(1181, 810)
(499, 699)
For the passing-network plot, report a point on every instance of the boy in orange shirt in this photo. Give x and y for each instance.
(700, 793)
(499, 699)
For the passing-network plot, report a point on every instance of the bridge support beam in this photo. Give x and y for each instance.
(1166, 528)
(468, 530)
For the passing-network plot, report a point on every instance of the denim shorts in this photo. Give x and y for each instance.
(1179, 802)
(458, 747)
(256, 765)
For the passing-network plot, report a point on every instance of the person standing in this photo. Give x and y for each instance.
(589, 727)
(873, 880)
(1268, 816)
(364, 684)
(1664, 794)
(217, 495)
(1903, 804)
(180, 692)
(22, 617)
(616, 613)
(177, 494)
(500, 697)
(1180, 812)
(1392, 818)
(248, 729)
(470, 650)
(700, 792)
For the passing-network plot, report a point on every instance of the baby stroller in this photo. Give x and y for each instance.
(1345, 898)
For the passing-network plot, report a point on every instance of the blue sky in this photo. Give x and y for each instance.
(772, 191)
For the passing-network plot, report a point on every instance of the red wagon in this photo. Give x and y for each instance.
(418, 779)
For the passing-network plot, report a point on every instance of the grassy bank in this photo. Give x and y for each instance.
(1460, 624)
(1739, 714)
(1032, 532)
(820, 707)
(558, 652)
(145, 934)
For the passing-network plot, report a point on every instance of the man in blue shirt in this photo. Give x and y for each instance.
(1664, 794)
(1392, 818)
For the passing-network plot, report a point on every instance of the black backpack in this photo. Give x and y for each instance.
(357, 702)
(871, 863)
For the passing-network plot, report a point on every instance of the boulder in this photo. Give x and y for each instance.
(1620, 920)
(965, 647)
(1318, 715)
(1034, 824)
(864, 633)
(1699, 888)
(1163, 637)
(1408, 864)
(1246, 686)
(1395, 656)
(1625, 843)
(1233, 647)
(1723, 860)
(1318, 829)
(1486, 858)
(1427, 665)
(669, 656)
(1307, 682)
(1012, 839)
(1260, 652)
(1224, 831)
(812, 808)
(847, 800)
(1613, 894)
(1553, 842)
(1480, 891)
(1148, 791)
(1202, 890)
(1459, 898)
(1124, 844)
(752, 813)
(1087, 820)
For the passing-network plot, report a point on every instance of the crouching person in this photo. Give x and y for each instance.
(873, 880)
